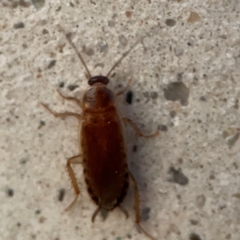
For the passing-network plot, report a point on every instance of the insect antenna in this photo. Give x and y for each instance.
(68, 36)
(122, 57)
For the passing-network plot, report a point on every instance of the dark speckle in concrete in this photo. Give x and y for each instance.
(236, 195)
(38, 4)
(129, 97)
(111, 23)
(228, 236)
(177, 91)
(51, 64)
(61, 84)
(90, 52)
(154, 95)
(72, 87)
(134, 148)
(61, 194)
(170, 22)
(233, 139)
(162, 128)
(177, 176)
(123, 40)
(179, 76)
(200, 200)
(23, 3)
(42, 219)
(128, 14)
(203, 99)
(19, 25)
(41, 124)
(145, 214)
(172, 114)
(194, 236)
(23, 161)
(37, 212)
(10, 192)
(19, 224)
(194, 222)
(103, 47)
(45, 31)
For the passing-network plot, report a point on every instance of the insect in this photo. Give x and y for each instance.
(103, 156)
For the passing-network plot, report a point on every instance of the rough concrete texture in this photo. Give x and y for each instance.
(185, 81)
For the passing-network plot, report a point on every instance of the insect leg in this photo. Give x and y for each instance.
(136, 206)
(64, 114)
(138, 131)
(95, 213)
(73, 160)
(123, 210)
(70, 98)
(125, 89)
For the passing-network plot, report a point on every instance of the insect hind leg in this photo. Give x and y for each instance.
(73, 160)
(137, 130)
(137, 207)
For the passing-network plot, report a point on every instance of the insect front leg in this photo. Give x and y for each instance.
(62, 115)
(137, 206)
(73, 160)
(70, 98)
(125, 89)
(138, 131)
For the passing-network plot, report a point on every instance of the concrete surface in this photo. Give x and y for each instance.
(185, 81)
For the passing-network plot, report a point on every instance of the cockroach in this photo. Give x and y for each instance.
(102, 144)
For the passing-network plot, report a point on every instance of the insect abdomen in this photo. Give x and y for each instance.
(104, 154)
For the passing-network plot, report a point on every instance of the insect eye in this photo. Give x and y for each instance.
(98, 79)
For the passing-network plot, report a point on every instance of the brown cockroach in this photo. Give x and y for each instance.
(102, 143)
